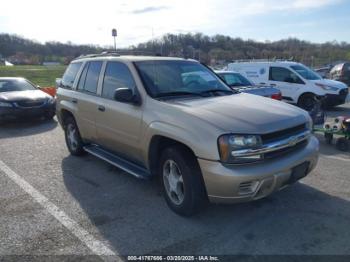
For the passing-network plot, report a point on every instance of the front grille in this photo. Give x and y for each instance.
(284, 151)
(282, 134)
(31, 103)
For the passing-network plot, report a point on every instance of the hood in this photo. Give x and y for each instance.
(331, 83)
(244, 113)
(14, 96)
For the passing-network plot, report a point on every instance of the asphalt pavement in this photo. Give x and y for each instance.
(55, 204)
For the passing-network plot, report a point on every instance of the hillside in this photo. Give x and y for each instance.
(211, 50)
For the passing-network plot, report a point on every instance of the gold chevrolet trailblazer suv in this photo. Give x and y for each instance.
(175, 119)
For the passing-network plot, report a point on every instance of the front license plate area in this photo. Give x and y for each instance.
(299, 172)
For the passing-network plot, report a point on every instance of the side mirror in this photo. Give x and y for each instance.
(126, 95)
(38, 86)
(58, 82)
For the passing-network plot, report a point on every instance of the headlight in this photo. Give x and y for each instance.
(51, 100)
(326, 87)
(229, 144)
(5, 104)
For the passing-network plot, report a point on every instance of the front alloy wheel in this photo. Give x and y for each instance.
(182, 181)
(173, 182)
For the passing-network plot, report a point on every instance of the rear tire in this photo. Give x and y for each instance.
(307, 102)
(73, 139)
(182, 181)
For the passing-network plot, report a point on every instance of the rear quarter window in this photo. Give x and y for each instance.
(69, 75)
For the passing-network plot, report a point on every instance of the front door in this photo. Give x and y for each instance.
(287, 82)
(119, 124)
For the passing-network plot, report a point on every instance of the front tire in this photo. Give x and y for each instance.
(182, 181)
(73, 139)
(307, 102)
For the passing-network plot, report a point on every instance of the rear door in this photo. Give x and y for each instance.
(87, 99)
(289, 83)
(119, 124)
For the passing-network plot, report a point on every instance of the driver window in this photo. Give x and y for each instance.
(117, 75)
(282, 74)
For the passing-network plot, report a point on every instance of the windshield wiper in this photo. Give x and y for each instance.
(237, 84)
(214, 91)
(180, 93)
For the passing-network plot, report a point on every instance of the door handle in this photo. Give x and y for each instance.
(262, 83)
(101, 108)
(272, 84)
(74, 100)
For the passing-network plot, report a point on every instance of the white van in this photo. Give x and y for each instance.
(297, 83)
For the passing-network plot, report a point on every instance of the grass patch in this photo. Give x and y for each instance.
(44, 76)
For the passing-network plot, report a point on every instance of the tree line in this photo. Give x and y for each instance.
(218, 49)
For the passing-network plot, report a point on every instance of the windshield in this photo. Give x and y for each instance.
(306, 73)
(235, 79)
(10, 85)
(172, 78)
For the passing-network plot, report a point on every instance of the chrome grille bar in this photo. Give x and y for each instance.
(274, 146)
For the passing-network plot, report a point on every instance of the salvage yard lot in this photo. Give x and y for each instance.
(43, 76)
(127, 216)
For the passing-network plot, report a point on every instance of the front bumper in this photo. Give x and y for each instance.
(8, 113)
(335, 100)
(241, 183)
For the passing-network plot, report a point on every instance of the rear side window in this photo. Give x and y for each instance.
(282, 74)
(70, 74)
(89, 77)
(117, 75)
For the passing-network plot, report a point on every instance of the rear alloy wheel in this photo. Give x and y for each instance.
(182, 181)
(73, 139)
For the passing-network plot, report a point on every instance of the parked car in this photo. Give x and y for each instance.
(341, 72)
(298, 83)
(202, 139)
(21, 98)
(323, 71)
(240, 83)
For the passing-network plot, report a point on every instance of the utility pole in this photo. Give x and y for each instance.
(114, 34)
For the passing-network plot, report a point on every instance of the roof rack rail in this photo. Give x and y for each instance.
(104, 53)
(109, 53)
(263, 60)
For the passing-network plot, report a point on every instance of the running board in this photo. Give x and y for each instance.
(117, 161)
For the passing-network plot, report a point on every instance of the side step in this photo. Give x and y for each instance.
(117, 161)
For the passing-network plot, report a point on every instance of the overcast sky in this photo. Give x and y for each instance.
(90, 22)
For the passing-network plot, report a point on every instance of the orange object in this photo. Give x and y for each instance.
(49, 90)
